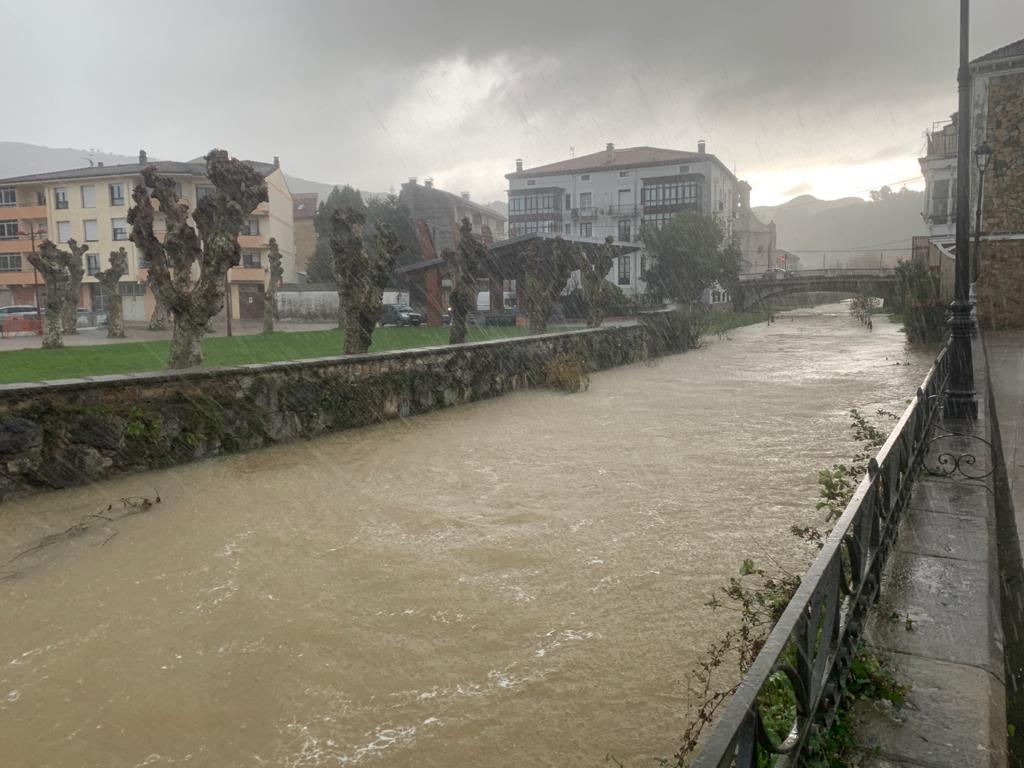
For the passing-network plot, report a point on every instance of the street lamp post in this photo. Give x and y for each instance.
(983, 155)
(960, 396)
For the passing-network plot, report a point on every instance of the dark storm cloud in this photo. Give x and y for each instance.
(371, 93)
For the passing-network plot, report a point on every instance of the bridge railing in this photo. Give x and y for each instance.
(814, 641)
(818, 273)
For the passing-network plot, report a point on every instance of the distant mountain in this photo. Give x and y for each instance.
(20, 159)
(848, 227)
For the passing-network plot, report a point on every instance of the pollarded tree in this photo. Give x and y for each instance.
(594, 268)
(52, 264)
(270, 297)
(361, 276)
(547, 266)
(74, 290)
(110, 279)
(158, 320)
(462, 265)
(212, 245)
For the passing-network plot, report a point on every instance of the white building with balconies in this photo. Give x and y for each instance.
(614, 192)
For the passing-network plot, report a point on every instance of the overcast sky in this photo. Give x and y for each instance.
(826, 97)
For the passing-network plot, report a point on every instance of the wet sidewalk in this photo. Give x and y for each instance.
(938, 623)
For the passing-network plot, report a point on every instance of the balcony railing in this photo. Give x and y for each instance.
(628, 209)
(584, 212)
(815, 639)
(942, 144)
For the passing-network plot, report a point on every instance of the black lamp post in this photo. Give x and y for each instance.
(960, 398)
(982, 155)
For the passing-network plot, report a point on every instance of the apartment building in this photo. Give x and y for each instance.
(442, 212)
(612, 193)
(304, 205)
(996, 120)
(91, 206)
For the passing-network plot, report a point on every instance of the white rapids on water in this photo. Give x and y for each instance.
(520, 581)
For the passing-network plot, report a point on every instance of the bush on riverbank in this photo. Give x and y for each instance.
(567, 372)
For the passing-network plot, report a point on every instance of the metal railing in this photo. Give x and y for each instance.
(781, 274)
(815, 639)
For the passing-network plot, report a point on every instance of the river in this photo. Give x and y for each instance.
(519, 582)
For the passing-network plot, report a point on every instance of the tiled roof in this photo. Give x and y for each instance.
(628, 157)
(167, 167)
(1007, 51)
(304, 205)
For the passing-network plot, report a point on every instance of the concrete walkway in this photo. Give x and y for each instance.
(939, 620)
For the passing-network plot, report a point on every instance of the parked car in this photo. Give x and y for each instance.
(399, 314)
(90, 319)
(17, 309)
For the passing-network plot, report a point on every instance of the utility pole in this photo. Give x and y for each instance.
(960, 396)
(32, 232)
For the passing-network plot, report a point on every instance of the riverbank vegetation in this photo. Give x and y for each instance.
(760, 595)
(26, 365)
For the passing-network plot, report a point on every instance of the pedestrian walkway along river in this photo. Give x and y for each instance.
(520, 581)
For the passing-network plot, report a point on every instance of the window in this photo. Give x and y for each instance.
(940, 198)
(531, 182)
(568, 229)
(92, 230)
(202, 192)
(568, 201)
(624, 230)
(92, 263)
(119, 228)
(7, 196)
(586, 199)
(63, 231)
(132, 289)
(40, 198)
(684, 169)
(251, 259)
(10, 262)
(251, 226)
(623, 174)
(9, 230)
(530, 227)
(657, 219)
(643, 266)
(117, 195)
(585, 177)
(671, 193)
(60, 198)
(538, 202)
(624, 270)
(89, 196)
(586, 229)
(178, 191)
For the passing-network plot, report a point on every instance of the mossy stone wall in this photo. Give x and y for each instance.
(61, 434)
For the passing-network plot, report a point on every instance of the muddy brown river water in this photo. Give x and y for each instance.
(517, 582)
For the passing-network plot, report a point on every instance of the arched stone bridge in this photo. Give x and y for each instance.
(757, 289)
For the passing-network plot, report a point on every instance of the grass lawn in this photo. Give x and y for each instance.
(134, 357)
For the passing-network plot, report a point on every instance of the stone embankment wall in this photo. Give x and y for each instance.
(65, 433)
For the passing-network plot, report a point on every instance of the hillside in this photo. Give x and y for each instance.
(810, 227)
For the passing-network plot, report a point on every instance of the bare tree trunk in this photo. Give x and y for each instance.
(341, 308)
(268, 312)
(158, 320)
(457, 335)
(115, 316)
(354, 337)
(186, 343)
(53, 329)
